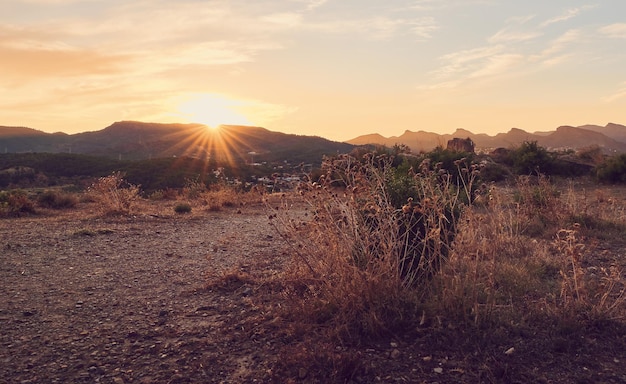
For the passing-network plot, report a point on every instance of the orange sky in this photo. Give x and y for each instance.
(336, 69)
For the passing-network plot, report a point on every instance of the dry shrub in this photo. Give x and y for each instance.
(598, 211)
(164, 194)
(224, 196)
(361, 264)
(15, 203)
(541, 209)
(182, 208)
(494, 269)
(114, 195)
(57, 199)
(596, 293)
(194, 188)
(497, 272)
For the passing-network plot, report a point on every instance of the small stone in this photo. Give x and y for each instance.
(509, 351)
(427, 358)
(438, 370)
(393, 345)
(395, 354)
(118, 380)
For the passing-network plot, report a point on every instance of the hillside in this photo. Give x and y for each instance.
(611, 138)
(139, 140)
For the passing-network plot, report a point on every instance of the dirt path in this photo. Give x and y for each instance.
(166, 298)
(116, 300)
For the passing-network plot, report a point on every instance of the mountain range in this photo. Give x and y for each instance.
(132, 140)
(139, 140)
(610, 138)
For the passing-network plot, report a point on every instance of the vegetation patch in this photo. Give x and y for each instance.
(15, 203)
(182, 208)
(57, 199)
(114, 195)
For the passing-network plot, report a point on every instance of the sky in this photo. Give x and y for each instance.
(331, 68)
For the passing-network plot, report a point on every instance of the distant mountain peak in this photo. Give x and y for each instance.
(141, 140)
(611, 138)
(517, 130)
(462, 131)
(19, 131)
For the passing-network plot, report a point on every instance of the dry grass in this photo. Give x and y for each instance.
(500, 270)
(361, 265)
(113, 195)
(219, 196)
(361, 269)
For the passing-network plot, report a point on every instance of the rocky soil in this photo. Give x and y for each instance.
(166, 298)
(151, 298)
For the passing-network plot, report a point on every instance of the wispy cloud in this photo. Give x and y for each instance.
(428, 5)
(515, 49)
(616, 31)
(54, 2)
(312, 4)
(552, 54)
(617, 95)
(498, 64)
(514, 31)
(379, 27)
(25, 49)
(568, 14)
(466, 62)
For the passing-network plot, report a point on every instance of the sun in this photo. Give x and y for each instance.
(212, 110)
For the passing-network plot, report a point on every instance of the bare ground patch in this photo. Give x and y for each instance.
(166, 298)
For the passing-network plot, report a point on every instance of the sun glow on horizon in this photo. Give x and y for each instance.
(215, 142)
(212, 110)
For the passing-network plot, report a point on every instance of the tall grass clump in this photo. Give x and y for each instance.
(57, 199)
(612, 170)
(114, 195)
(375, 240)
(222, 195)
(182, 208)
(521, 258)
(15, 203)
(495, 267)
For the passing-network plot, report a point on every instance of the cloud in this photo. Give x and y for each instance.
(568, 14)
(55, 2)
(284, 19)
(617, 95)
(466, 61)
(497, 64)
(312, 4)
(513, 31)
(436, 86)
(26, 63)
(423, 27)
(428, 5)
(616, 31)
(379, 27)
(32, 53)
(549, 54)
(516, 49)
